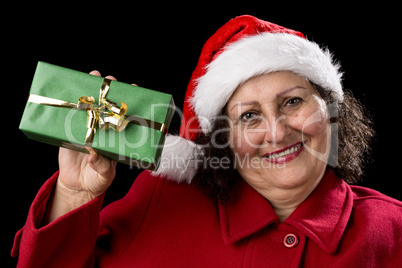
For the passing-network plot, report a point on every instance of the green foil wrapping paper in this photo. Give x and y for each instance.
(137, 144)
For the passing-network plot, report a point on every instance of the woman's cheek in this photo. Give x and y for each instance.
(245, 143)
(314, 128)
(313, 121)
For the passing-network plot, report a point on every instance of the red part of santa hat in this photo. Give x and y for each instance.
(241, 49)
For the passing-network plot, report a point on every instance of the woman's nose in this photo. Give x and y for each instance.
(276, 129)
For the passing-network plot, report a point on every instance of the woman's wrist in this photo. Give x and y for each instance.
(73, 197)
(63, 200)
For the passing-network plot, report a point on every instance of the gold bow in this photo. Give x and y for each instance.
(105, 114)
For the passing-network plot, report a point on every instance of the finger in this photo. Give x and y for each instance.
(135, 85)
(101, 165)
(114, 163)
(111, 77)
(95, 72)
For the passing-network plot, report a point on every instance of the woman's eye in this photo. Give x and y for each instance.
(247, 116)
(293, 101)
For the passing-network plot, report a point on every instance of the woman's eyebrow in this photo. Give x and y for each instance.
(245, 104)
(288, 90)
(257, 103)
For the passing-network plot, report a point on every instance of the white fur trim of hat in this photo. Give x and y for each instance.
(260, 54)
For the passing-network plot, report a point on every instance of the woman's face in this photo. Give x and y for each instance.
(279, 132)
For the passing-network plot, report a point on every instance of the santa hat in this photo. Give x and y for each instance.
(241, 49)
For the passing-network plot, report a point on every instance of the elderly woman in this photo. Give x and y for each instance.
(257, 178)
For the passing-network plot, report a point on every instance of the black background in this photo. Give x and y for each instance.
(157, 47)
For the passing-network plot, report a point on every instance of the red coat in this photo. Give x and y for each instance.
(163, 224)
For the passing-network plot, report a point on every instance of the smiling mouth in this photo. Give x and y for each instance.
(285, 154)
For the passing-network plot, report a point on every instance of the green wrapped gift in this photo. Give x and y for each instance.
(76, 110)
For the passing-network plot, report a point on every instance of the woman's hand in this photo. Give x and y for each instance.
(82, 178)
(85, 176)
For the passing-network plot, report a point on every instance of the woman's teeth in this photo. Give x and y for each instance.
(286, 152)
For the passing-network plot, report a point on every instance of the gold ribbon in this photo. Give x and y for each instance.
(103, 115)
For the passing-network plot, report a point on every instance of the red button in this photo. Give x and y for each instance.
(290, 240)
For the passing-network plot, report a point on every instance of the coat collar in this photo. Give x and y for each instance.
(322, 217)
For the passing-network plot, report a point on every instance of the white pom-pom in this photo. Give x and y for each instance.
(179, 160)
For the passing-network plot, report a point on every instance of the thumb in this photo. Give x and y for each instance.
(102, 165)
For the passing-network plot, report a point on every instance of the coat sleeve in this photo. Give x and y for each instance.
(85, 235)
(68, 241)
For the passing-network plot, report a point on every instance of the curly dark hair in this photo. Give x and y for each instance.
(352, 132)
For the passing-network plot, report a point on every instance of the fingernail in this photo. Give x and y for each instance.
(95, 73)
(96, 159)
(111, 77)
